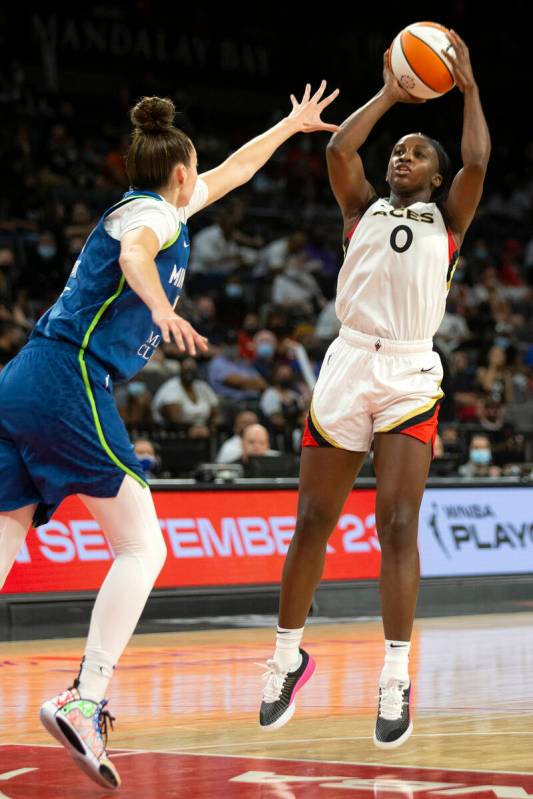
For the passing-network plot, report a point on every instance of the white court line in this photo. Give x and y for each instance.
(330, 762)
(124, 752)
(472, 720)
(292, 741)
(46, 746)
(309, 760)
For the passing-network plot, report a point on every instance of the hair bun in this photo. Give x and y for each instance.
(153, 114)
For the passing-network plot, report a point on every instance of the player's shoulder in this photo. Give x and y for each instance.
(137, 204)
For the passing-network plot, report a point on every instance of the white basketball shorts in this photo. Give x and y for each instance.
(371, 385)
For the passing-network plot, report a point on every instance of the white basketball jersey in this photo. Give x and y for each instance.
(397, 272)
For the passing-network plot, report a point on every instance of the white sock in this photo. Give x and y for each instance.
(287, 654)
(396, 666)
(96, 672)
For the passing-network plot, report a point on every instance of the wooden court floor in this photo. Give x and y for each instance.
(186, 709)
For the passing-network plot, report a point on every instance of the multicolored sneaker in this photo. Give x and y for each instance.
(393, 723)
(279, 692)
(81, 726)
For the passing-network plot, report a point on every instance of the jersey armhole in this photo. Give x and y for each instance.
(348, 236)
(453, 244)
(453, 256)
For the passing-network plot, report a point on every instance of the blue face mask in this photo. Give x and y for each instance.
(136, 388)
(148, 462)
(501, 341)
(233, 290)
(46, 251)
(482, 457)
(265, 350)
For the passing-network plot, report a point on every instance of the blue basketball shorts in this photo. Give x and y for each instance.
(60, 430)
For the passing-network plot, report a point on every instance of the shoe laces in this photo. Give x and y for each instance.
(76, 683)
(104, 718)
(392, 700)
(274, 678)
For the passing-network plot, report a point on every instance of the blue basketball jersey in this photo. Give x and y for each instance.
(99, 313)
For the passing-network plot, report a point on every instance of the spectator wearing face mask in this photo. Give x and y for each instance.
(159, 369)
(234, 305)
(245, 336)
(205, 320)
(187, 400)
(44, 267)
(479, 462)
(145, 452)
(265, 343)
(133, 401)
(280, 403)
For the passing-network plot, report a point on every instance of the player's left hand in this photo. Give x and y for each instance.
(307, 112)
(460, 63)
(175, 327)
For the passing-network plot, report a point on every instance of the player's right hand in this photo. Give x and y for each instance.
(460, 63)
(183, 333)
(392, 86)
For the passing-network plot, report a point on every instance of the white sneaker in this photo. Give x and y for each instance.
(280, 690)
(393, 723)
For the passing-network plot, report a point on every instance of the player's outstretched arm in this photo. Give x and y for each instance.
(248, 159)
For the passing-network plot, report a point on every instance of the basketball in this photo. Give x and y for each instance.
(416, 60)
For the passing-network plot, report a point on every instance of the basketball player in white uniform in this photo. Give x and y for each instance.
(380, 380)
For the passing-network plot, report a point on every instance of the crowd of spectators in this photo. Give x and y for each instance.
(261, 287)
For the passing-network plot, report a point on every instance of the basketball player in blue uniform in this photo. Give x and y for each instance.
(380, 380)
(60, 432)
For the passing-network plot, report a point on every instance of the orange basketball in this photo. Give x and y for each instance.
(416, 59)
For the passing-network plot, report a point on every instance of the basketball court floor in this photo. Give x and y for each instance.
(186, 707)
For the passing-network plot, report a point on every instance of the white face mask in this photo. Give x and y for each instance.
(482, 457)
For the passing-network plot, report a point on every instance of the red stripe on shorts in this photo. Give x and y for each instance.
(307, 439)
(425, 431)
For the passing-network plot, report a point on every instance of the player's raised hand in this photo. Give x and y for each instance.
(460, 63)
(307, 112)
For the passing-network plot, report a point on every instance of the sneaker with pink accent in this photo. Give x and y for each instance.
(279, 692)
(81, 726)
